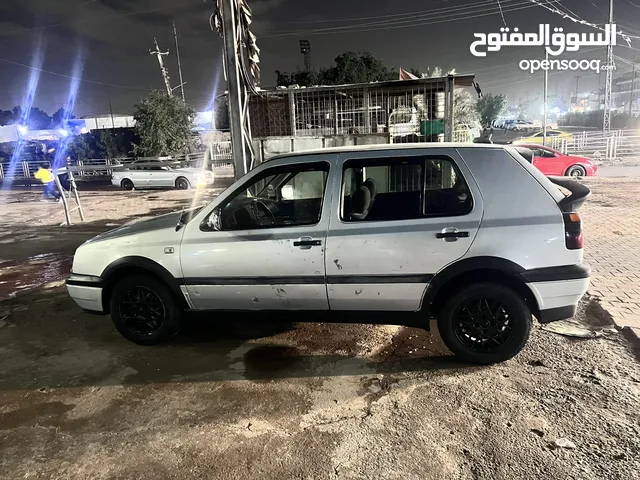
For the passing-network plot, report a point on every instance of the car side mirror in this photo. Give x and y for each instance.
(214, 222)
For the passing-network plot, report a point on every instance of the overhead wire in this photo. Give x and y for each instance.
(389, 25)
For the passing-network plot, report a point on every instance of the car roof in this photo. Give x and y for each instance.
(387, 146)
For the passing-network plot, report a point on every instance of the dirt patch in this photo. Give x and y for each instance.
(252, 397)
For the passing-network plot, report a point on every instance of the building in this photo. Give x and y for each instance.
(626, 92)
(300, 118)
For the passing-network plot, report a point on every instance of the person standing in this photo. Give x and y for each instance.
(45, 175)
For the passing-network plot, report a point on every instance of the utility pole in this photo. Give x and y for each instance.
(606, 124)
(305, 49)
(237, 88)
(633, 86)
(113, 123)
(175, 35)
(577, 89)
(165, 74)
(546, 90)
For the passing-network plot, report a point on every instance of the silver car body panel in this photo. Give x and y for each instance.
(357, 266)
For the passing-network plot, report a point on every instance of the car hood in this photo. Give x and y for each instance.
(158, 223)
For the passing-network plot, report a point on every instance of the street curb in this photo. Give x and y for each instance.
(633, 335)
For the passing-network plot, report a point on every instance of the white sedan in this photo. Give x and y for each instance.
(156, 174)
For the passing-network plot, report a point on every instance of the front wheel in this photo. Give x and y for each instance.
(485, 323)
(576, 171)
(144, 311)
(127, 184)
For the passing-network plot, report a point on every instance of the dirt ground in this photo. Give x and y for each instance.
(239, 396)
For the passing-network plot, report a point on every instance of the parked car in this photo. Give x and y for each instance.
(473, 236)
(147, 173)
(521, 125)
(552, 162)
(539, 136)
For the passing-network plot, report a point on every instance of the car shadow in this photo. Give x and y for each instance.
(48, 343)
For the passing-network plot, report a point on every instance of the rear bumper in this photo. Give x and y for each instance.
(558, 290)
(86, 291)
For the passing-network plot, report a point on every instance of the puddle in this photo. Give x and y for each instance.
(17, 277)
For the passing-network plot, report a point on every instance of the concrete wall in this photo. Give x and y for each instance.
(268, 147)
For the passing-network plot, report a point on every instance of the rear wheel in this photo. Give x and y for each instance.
(182, 183)
(127, 184)
(576, 171)
(144, 310)
(485, 323)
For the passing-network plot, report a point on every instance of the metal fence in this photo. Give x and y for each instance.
(616, 145)
(95, 169)
(407, 110)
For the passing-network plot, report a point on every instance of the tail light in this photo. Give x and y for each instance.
(573, 237)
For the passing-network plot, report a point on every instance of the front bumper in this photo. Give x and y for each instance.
(86, 291)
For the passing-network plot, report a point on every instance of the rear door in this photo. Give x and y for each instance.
(424, 215)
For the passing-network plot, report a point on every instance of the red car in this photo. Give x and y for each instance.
(553, 163)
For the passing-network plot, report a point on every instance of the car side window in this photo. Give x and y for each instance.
(278, 197)
(447, 193)
(391, 189)
(546, 153)
(381, 189)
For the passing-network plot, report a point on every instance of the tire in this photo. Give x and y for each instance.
(511, 311)
(576, 171)
(182, 183)
(127, 184)
(157, 300)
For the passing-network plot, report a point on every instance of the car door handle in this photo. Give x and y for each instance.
(307, 242)
(452, 235)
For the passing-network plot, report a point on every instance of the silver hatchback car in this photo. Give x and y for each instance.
(473, 236)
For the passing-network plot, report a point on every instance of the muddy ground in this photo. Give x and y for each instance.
(237, 396)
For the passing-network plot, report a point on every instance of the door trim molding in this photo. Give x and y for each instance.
(307, 280)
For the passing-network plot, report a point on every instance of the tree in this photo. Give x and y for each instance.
(164, 125)
(59, 117)
(38, 119)
(350, 67)
(6, 117)
(116, 143)
(490, 107)
(464, 105)
(81, 148)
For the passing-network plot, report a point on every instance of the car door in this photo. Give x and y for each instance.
(253, 260)
(162, 176)
(157, 176)
(424, 214)
(138, 174)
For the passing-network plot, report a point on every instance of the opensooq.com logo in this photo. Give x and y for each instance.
(555, 44)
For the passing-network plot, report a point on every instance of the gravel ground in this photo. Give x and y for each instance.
(239, 396)
(250, 398)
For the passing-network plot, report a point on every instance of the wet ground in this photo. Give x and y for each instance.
(258, 396)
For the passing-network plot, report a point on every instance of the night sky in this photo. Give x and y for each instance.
(107, 42)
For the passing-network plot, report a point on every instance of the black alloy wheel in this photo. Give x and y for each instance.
(142, 311)
(482, 324)
(127, 184)
(485, 323)
(145, 310)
